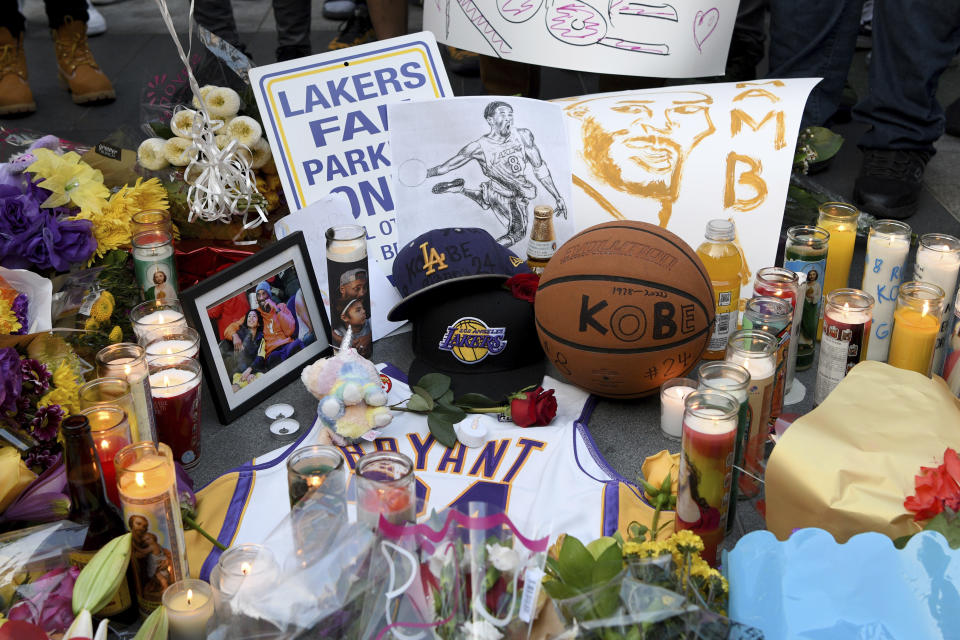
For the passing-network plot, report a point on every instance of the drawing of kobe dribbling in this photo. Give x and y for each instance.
(503, 155)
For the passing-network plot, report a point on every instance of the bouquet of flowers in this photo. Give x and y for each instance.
(935, 503)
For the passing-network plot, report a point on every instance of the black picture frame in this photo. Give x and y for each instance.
(221, 363)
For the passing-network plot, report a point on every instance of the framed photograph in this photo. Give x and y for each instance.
(260, 322)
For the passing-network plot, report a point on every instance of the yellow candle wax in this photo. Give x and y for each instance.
(914, 338)
(843, 235)
(148, 477)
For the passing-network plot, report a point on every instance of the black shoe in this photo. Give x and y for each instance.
(292, 52)
(455, 185)
(890, 181)
(953, 118)
(462, 62)
(357, 30)
(865, 36)
(338, 9)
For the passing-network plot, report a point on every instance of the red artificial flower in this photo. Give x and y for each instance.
(936, 488)
(523, 286)
(533, 408)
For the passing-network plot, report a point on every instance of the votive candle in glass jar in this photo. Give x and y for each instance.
(111, 432)
(847, 320)
(316, 466)
(153, 315)
(171, 341)
(175, 388)
(127, 361)
(806, 253)
(916, 324)
(189, 608)
(887, 247)
(774, 315)
(153, 263)
(109, 390)
(672, 394)
(386, 486)
(840, 220)
(785, 284)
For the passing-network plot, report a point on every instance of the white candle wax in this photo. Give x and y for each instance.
(167, 317)
(166, 383)
(671, 409)
(726, 384)
(188, 613)
(186, 348)
(939, 265)
(142, 423)
(882, 274)
(760, 368)
(709, 425)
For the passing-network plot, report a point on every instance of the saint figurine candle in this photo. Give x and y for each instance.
(847, 319)
(916, 324)
(175, 387)
(840, 220)
(774, 315)
(154, 314)
(806, 253)
(735, 380)
(189, 606)
(153, 263)
(887, 247)
(151, 508)
(111, 432)
(127, 361)
(672, 394)
(385, 485)
(938, 262)
(706, 466)
(171, 341)
(784, 284)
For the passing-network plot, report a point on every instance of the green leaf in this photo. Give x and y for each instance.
(435, 384)
(418, 403)
(606, 599)
(449, 412)
(446, 397)
(576, 564)
(949, 527)
(902, 541)
(154, 627)
(608, 565)
(598, 546)
(442, 430)
(475, 401)
(559, 590)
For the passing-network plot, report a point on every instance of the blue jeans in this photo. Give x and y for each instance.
(913, 42)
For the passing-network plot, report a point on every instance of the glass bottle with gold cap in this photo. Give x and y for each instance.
(543, 241)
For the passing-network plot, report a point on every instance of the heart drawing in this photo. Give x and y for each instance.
(703, 25)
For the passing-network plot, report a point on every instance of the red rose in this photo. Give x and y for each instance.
(535, 408)
(523, 286)
(936, 487)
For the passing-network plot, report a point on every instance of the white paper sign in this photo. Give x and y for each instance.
(676, 39)
(326, 119)
(480, 162)
(680, 156)
(313, 221)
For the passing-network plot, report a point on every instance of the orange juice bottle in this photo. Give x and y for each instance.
(722, 260)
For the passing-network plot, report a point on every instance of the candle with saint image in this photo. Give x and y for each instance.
(938, 262)
(756, 351)
(385, 486)
(154, 315)
(840, 220)
(171, 341)
(806, 253)
(916, 323)
(189, 606)
(672, 394)
(847, 318)
(175, 387)
(125, 360)
(706, 466)
(111, 432)
(887, 249)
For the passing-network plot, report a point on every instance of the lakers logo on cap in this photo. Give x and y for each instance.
(470, 340)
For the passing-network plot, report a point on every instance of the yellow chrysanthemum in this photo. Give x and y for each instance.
(111, 226)
(116, 334)
(645, 549)
(8, 319)
(70, 180)
(687, 541)
(64, 390)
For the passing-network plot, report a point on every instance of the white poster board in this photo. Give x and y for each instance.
(482, 162)
(326, 119)
(675, 39)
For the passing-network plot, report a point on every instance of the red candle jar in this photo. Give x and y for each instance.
(111, 432)
(175, 388)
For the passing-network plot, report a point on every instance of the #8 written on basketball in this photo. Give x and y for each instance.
(433, 397)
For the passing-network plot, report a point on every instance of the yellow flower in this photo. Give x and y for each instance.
(646, 549)
(687, 541)
(111, 225)
(64, 391)
(8, 319)
(70, 180)
(116, 334)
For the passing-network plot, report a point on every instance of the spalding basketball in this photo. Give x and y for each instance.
(624, 306)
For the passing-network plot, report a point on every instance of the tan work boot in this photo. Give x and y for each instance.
(78, 69)
(15, 94)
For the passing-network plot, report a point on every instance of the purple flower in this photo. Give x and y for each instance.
(40, 457)
(20, 220)
(47, 601)
(45, 500)
(20, 308)
(46, 422)
(73, 243)
(40, 250)
(11, 383)
(35, 376)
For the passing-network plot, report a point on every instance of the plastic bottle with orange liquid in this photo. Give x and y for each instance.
(724, 264)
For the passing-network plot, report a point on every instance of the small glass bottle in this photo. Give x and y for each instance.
(916, 323)
(806, 252)
(724, 264)
(543, 241)
(847, 320)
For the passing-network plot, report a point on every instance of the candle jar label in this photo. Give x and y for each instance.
(156, 547)
(842, 347)
(760, 401)
(178, 424)
(156, 274)
(810, 315)
(120, 600)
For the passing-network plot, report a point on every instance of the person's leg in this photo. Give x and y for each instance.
(502, 77)
(389, 18)
(75, 61)
(216, 16)
(814, 39)
(59, 10)
(293, 28)
(357, 30)
(15, 94)
(748, 41)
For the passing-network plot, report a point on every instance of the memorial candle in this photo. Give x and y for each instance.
(175, 387)
(385, 486)
(916, 323)
(887, 249)
(314, 467)
(774, 315)
(189, 605)
(153, 263)
(109, 390)
(847, 318)
(171, 341)
(706, 465)
(784, 284)
(127, 361)
(806, 253)
(154, 314)
(252, 567)
(111, 432)
(938, 262)
(840, 220)
(672, 394)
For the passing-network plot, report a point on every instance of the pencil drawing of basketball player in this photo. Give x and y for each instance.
(637, 144)
(504, 154)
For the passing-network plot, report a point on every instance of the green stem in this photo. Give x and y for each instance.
(485, 409)
(191, 523)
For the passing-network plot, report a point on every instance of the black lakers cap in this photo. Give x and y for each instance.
(480, 336)
(443, 255)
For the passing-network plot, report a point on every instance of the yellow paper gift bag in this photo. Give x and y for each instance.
(848, 465)
(14, 476)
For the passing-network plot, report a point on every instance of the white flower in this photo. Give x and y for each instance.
(261, 153)
(222, 140)
(182, 123)
(204, 92)
(503, 558)
(442, 556)
(480, 630)
(222, 102)
(150, 154)
(177, 151)
(244, 130)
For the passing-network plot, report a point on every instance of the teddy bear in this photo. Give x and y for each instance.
(351, 398)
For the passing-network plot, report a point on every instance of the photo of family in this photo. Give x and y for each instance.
(349, 307)
(261, 326)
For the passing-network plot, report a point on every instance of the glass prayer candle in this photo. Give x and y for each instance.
(189, 606)
(887, 247)
(916, 323)
(672, 394)
(938, 262)
(316, 467)
(150, 220)
(250, 566)
(111, 432)
(113, 391)
(756, 351)
(153, 315)
(735, 380)
(153, 264)
(806, 253)
(127, 361)
(348, 279)
(774, 315)
(847, 319)
(840, 220)
(706, 466)
(175, 388)
(171, 341)
(151, 508)
(385, 486)
(785, 284)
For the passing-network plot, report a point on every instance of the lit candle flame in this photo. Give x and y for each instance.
(126, 370)
(926, 309)
(166, 380)
(104, 444)
(189, 595)
(846, 308)
(138, 478)
(315, 481)
(245, 568)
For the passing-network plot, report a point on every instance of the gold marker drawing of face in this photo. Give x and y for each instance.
(637, 143)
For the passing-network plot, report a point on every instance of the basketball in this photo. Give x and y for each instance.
(623, 307)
